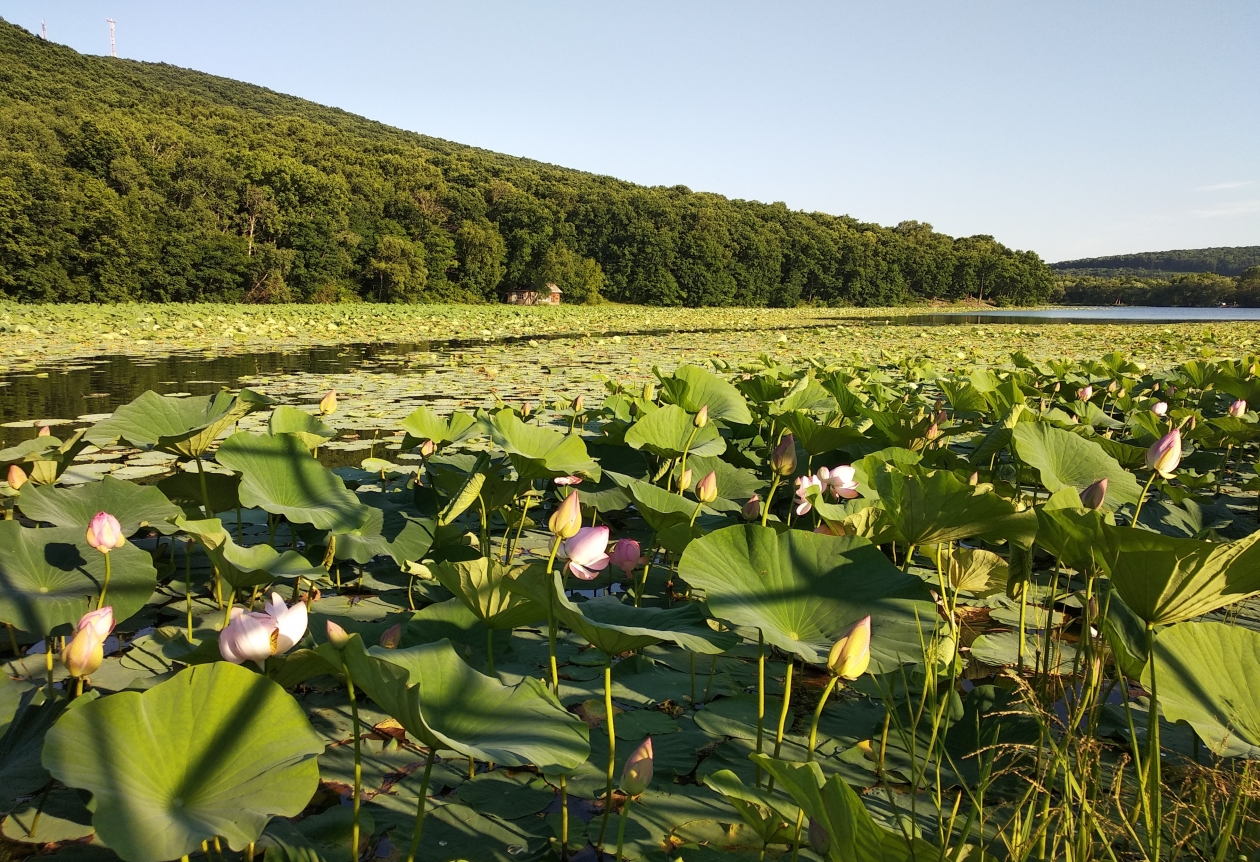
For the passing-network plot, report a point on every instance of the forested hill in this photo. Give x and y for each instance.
(1222, 261)
(125, 180)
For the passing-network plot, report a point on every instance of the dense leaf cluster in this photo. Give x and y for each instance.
(1223, 261)
(122, 180)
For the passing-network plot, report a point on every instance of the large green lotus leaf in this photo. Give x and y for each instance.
(1208, 675)
(934, 507)
(1065, 459)
(667, 431)
(691, 388)
(423, 424)
(279, 476)
(816, 438)
(1166, 580)
(804, 590)
(542, 453)
(483, 586)
(733, 483)
(133, 505)
(21, 771)
(183, 426)
(254, 566)
(307, 428)
(443, 702)
(215, 750)
(613, 626)
(662, 510)
(853, 834)
(45, 458)
(389, 530)
(52, 577)
(1069, 531)
(184, 488)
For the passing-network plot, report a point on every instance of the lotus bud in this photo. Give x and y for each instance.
(1120, 393)
(577, 403)
(625, 555)
(1085, 393)
(328, 404)
(637, 773)
(1193, 422)
(1165, 455)
(702, 418)
(104, 533)
(86, 649)
(1237, 409)
(706, 491)
(392, 636)
(427, 449)
(941, 416)
(1172, 390)
(1057, 387)
(526, 409)
(337, 636)
(819, 840)
(567, 520)
(1111, 387)
(649, 391)
(851, 654)
(567, 481)
(974, 478)
(783, 460)
(933, 431)
(684, 481)
(45, 431)
(17, 477)
(1160, 408)
(1093, 496)
(752, 509)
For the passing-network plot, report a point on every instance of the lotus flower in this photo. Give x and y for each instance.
(337, 636)
(974, 478)
(702, 418)
(427, 448)
(527, 409)
(44, 431)
(567, 520)
(1160, 408)
(328, 404)
(1165, 455)
(839, 481)
(1237, 409)
(86, 650)
(586, 552)
(567, 480)
(752, 509)
(851, 654)
(17, 477)
(684, 481)
(257, 637)
(706, 491)
(933, 431)
(636, 775)
(392, 636)
(803, 484)
(104, 533)
(578, 404)
(1085, 393)
(783, 460)
(1093, 496)
(626, 555)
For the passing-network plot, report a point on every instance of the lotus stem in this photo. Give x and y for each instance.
(13, 640)
(783, 713)
(205, 495)
(1153, 752)
(813, 726)
(188, 586)
(761, 697)
(765, 511)
(647, 564)
(358, 763)
(48, 663)
(708, 685)
(612, 754)
(564, 817)
(1142, 499)
(621, 828)
(39, 810)
(511, 552)
(693, 679)
(100, 601)
(424, 794)
(551, 618)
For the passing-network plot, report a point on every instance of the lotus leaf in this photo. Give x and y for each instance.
(668, 430)
(182, 426)
(483, 586)
(255, 566)
(134, 506)
(541, 453)
(1064, 459)
(934, 507)
(691, 388)
(307, 428)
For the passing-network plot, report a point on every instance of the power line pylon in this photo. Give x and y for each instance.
(112, 50)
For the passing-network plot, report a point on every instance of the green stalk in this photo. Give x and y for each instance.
(761, 696)
(612, 754)
(100, 602)
(621, 829)
(783, 714)
(682, 464)
(1142, 499)
(647, 564)
(13, 644)
(813, 727)
(529, 498)
(765, 512)
(205, 495)
(48, 663)
(1152, 756)
(424, 793)
(564, 817)
(490, 652)
(551, 618)
(358, 764)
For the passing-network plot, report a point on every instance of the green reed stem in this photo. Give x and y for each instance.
(1142, 499)
(612, 754)
(621, 828)
(761, 697)
(424, 794)
(358, 764)
(100, 602)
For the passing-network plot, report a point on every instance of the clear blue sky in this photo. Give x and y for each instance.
(1071, 128)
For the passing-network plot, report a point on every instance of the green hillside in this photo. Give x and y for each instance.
(127, 180)
(1162, 264)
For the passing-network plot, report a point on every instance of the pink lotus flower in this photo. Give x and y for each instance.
(851, 654)
(685, 481)
(392, 636)
(1093, 496)
(1165, 455)
(337, 636)
(104, 533)
(1160, 408)
(567, 480)
(586, 552)
(257, 637)
(783, 459)
(17, 477)
(626, 555)
(839, 481)
(706, 490)
(86, 649)
(1237, 409)
(567, 520)
(44, 431)
(752, 509)
(803, 484)
(636, 775)
(1085, 393)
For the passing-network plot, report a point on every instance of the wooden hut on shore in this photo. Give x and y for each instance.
(550, 295)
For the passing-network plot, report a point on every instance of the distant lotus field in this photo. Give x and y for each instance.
(837, 592)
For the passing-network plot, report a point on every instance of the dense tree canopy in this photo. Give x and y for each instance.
(126, 180)
(1148, 264)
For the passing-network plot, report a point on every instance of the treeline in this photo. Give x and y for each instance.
(122, 180)
(1156, 264)
(1192, 290)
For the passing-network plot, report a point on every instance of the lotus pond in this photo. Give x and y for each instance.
(834, 592)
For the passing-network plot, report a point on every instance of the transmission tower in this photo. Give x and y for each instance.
(43, 29)
(112, 51)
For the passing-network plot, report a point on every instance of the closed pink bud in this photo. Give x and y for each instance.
(104, 533)
(933, 431)
(1237, 409)
(702, 418)
(752, 509)
(567, 520)
(392, 636)
(427, 448)
(337, 636)
(1085, 393)
(851, 654)
(578, 403)
(626, 555)
(86, 649)
(567, 480)
(684, 481)
(1093, 496)
(706, 491)
(1160, 408)
(1165, 455)
(783, 461)
(17, 477)
(636, 775)
(328, 404)
(45, 431)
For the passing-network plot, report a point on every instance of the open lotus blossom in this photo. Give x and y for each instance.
(1160, 408)
(567, 520)
(851, 654)
(328, 404)
(104, 533)
(1237, 409)
(86, 649)
(1093, 496)
(17, 477)
(1085, 393)
(257, 637)
(783, 460)
(636, 775)
(626, 555)
(586, 552)
(567, 480)
(803, 484)
(1165, 455)
(706, 489)
(839, 481)
(752, 509)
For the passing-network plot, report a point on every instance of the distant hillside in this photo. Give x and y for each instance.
(127, 180)
(1163, 264)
